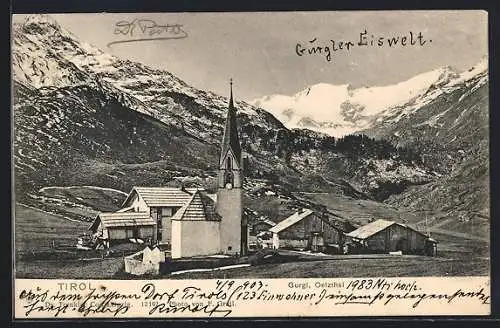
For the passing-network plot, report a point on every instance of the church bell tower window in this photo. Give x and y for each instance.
(228, 180)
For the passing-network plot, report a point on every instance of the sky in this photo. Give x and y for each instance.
(258, 50)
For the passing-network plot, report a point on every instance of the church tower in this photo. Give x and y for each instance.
(233, 228)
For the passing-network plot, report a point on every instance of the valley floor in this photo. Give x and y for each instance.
(400, 266)
(40, 236)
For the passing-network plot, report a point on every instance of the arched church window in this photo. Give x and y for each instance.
(228, 178)
(229, 163)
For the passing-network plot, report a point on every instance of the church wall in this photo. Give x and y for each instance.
(229, 207)
(195, 238)
(176, 248)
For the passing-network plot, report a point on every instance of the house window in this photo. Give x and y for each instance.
(166, 211)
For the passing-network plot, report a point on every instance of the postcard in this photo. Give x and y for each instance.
(257, 164)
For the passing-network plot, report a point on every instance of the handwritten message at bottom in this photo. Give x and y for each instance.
(37, 298)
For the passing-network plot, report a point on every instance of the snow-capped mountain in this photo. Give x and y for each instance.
(82, 116)
(341, 109)
(46, 55)
(71, 100)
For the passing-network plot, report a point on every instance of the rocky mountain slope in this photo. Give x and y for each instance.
(69, 94)
(441, 115)
(450, 127)
(85, 117)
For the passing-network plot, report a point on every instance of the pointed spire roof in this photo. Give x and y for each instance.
(231, 139)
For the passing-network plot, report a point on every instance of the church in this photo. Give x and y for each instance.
(189, 220)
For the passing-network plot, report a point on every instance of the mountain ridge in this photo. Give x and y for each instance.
(338, 110)
(83, 117)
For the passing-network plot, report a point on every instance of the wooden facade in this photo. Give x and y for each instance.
(306, 230)
(163, 218)
(162, 203)
(260, 226)
(384, 236)
(122, 226)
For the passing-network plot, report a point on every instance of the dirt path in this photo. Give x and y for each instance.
(324, 257)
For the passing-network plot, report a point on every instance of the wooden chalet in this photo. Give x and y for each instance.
(119, 226)
(383, 236)
(306, 229)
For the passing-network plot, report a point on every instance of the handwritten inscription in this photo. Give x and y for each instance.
(221, 298)
(147, 30)
(327, 48)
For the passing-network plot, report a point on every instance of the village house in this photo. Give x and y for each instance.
(306, 229)
(145, 214)
(189, 221)
(383, 236)
(119, 226)
(260, 225)
(161, 203)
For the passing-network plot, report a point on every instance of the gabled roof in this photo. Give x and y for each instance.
(291, 220)
(370, 229)
(122, 219)
(266, 221)
(162, 196)
(126, 209)
(231, 141)
(374, 227)
(200, 207)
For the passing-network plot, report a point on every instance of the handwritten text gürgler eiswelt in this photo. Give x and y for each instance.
(326, 48)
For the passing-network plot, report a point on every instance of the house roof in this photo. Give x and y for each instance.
(126, 209)
(122, 219)
(199, 207)
(374, 227)
(266, 221)
(291, 220)
(162, 196)
(370, 229)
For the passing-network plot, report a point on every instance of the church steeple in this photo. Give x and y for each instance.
(231, 104)
(231, 140)
(233, 226)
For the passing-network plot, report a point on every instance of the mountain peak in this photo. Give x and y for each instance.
(336, 104)
(41, 20)
(481, 65)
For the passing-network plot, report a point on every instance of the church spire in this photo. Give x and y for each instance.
(231, 140)
(231, 104)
